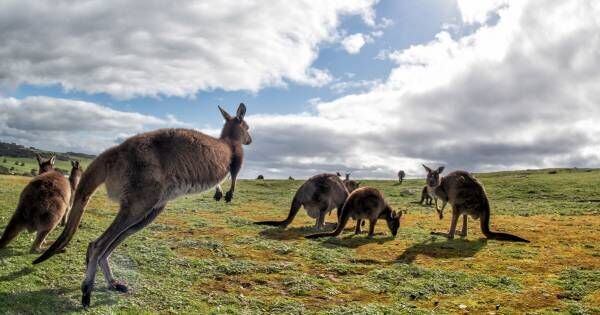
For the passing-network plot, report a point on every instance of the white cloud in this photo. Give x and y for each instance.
(137, 48)
(343, 87)
(70, 125)
(476, 11)
(521, 93)
(353, 43)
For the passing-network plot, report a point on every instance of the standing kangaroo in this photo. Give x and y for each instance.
(467, 196)
(319, 195)
(425, 197)
(401, 175)
(42, 204)
(45, 165)
(143, 174)
(365, 203)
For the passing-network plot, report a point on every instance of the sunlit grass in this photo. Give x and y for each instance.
(201, 256)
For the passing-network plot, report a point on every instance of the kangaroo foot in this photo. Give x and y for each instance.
(118, 286)
(228, 196)
(218, 195)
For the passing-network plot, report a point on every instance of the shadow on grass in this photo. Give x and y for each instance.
(445, 249)
(355, 241)
(44, 301)
(277, 233)
(17, 274)
(9, 252)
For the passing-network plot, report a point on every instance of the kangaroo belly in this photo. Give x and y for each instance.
(180, 189)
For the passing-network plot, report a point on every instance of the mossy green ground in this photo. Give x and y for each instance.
(202, 256)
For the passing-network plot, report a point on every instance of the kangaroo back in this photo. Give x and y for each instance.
(93, 177)
(485, 226)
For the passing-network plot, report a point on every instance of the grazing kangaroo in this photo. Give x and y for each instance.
(42, 204)
(401, 175)
(319, 195)
(425, 197)
(467, 196)
(45, 165)
(143, 173)
(365, 203)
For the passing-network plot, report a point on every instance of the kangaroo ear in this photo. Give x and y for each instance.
(52, 159)
(73, 164)
(441, 169)
(224, 113)
(38, 158)
(426, 168)
(241, 112)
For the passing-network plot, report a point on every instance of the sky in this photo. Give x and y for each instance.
(361, 86)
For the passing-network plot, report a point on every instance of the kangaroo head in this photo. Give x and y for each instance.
(45, 165)
(433, 176)
(393, 220)
(351, 185)
(76, 168)
(236, 128)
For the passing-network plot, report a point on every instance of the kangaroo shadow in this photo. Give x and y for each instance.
(9, 252)
(17, 274)
(292, 233)
(44, 301)
(445, 249)
(52, 301)
(355, 241)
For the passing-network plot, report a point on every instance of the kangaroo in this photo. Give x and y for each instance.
(365, 203)
(401, 175)
(42, 205)
(467, 196)
(319, 195)
(45, 165)
(260, 177)
(350, 184)
(143, 173)
(425, 197)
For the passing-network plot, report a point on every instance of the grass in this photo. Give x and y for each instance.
(201, 256)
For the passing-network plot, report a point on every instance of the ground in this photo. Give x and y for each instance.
(202, 256)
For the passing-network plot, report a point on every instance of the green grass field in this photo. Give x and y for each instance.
(202, 256)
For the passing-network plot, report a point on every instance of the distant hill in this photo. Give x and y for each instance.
(19, 151)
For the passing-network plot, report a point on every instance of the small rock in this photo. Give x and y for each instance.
(462, 306)
(497, 307)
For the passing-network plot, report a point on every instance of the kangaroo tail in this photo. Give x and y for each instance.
(93, 177)
(296, 204)
(485, 228)
(342, 221)
(12, 230)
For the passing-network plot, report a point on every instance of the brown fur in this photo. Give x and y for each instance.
(143, 174)
(467, 196)
(42, 204)
(365, 203)
(319, 195)
(45, 165)
(425, 197)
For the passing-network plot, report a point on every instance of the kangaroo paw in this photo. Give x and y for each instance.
(118, 286)
(218, 195)
(228, 196)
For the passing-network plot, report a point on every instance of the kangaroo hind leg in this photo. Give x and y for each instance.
(113, 284)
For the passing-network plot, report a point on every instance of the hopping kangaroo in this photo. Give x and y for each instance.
(319, 195)
(365, 203)
(143, 174)
(467, 196)
(425, 197)
(42, 204)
